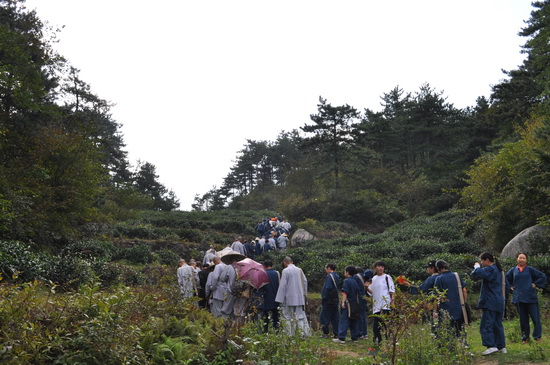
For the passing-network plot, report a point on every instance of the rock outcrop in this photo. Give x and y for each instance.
(300, 236)
(521, 243)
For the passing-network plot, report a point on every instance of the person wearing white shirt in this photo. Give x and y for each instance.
(382, 290)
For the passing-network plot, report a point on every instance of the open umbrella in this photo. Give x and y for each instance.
(251, 272)
(228, 256)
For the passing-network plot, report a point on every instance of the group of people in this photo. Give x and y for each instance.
(344, 304)
(345, 308)
(522, 280)
(260, 245)
(225, 296)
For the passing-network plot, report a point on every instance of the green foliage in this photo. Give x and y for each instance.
(137, 254)
(146, 182)
(19, 262)
(69, 271)
(167, 257)
(91, 249)
(508, 191)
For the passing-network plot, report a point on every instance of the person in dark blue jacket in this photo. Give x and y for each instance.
(350, 293)
(270, 307)
(249, 250)
(363, 334)
(428, 285)
(330, 301)
(524, 280)
(450, 309)
(491, 301)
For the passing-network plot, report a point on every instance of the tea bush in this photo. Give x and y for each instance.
(167, 257)
(69, 271)
(19, 262)
(91, 249)
(137, 254)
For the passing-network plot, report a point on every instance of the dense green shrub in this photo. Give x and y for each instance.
(91, 249)
(191, 234)
(19, 262)
(138, 254)
(167, 257)
(108, 273)
(69, 271)
(142, 231)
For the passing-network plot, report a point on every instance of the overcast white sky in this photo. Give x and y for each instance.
(192, 80)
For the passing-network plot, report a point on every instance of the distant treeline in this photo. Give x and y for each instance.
(419, 155)
(62, 157)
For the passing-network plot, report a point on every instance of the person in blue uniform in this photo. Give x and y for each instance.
(329, 302)
(362, 303)
(428, 285)
(350, 293)
(450, 308)
(524, 280)
(269, 307)
(249, 250)
(491, 301)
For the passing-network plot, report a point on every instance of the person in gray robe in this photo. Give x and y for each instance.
(292, 295)
(229, 277)
(238, 246)
(187, 279)
(218, 288)
(283, 242)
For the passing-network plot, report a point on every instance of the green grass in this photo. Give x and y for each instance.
(532, 353)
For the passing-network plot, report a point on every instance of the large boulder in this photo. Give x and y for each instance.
(521, 242)
(300, 236)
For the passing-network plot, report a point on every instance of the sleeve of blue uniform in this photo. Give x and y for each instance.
(481, 273)
(510, 277)
(539, 277)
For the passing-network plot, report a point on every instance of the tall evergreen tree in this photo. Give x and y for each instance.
(331, 134)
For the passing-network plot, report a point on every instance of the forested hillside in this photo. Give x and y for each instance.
(89, 243)
(418, 155)
(62, 158)
(64, 169)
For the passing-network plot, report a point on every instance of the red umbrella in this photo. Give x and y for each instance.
(251, 272)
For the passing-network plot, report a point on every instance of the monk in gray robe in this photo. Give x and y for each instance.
(187, 279)
(292, 294)
(218, 288)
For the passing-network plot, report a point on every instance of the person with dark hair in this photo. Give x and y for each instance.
(382, 290)
(249, 249)
(426, 286)
(451, 307)
(491, 301)
(203, 279)
(524, 280)
(329, 302)
(269, 307)
(350, 294)
(362, 303)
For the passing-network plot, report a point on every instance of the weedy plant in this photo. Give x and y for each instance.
(411, 340)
